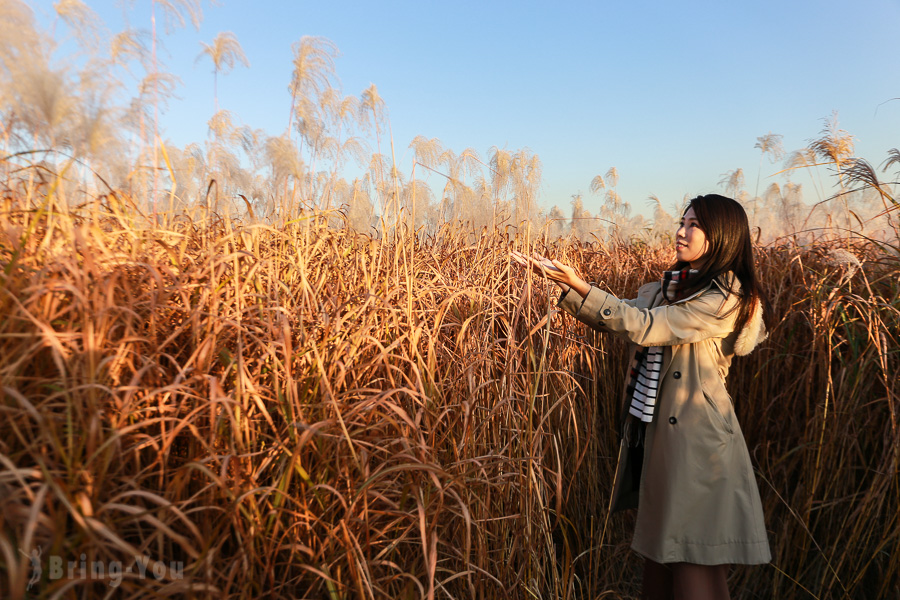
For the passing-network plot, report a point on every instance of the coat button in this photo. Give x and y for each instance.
(673, 420)
(677, 374)
(606, 312)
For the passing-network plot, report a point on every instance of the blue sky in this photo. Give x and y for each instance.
(672, 94)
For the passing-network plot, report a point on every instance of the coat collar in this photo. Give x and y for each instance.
(727, 283)
(754, 331)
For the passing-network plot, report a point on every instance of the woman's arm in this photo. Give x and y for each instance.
(562, 275)
(566, 278)
(708, 315)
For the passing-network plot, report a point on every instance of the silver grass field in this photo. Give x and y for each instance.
(234, 370)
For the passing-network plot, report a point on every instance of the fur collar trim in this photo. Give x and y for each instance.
(753, 333)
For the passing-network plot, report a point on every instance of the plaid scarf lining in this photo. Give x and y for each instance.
(643, 383)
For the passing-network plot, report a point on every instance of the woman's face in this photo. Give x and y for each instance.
(690, 241)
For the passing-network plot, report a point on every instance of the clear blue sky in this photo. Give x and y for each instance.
(672, 94)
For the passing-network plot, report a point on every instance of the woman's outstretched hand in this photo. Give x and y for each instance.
(562, 275)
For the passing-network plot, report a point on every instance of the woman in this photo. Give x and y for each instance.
(683, 461)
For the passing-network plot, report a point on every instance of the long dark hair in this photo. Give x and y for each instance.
(727, 230)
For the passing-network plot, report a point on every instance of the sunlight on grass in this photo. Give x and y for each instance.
(303, 410)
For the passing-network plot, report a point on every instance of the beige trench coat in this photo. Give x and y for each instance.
(697, 499)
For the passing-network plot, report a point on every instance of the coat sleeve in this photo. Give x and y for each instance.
(708, 315)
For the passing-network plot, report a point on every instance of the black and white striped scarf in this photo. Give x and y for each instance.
(643, 382)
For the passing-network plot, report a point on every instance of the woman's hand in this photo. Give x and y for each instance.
(562, 275)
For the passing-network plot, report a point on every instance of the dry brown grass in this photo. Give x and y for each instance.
(303, 411)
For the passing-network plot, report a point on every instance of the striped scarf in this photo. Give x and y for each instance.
(643, 382)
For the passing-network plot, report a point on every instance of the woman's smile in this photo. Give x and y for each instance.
(690, 240)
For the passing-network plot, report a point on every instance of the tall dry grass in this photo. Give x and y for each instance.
(303, 411)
